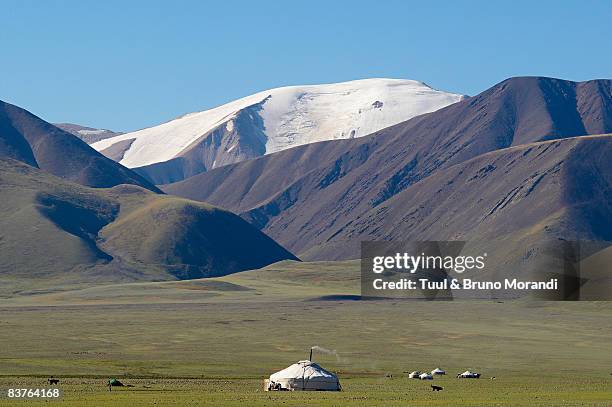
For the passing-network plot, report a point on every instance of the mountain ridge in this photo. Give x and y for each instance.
(30, 139)
(87, 134)
(324, 186)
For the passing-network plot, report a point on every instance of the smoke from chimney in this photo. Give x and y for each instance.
(325, 351)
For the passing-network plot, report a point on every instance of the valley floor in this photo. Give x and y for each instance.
(211, 342)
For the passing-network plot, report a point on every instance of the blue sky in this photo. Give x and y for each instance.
(127, 65)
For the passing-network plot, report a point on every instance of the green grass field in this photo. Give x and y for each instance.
(211, 342)
(372, 391)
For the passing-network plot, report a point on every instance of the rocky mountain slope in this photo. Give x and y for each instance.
(87, 134)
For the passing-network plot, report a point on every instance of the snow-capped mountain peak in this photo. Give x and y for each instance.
(275, 120)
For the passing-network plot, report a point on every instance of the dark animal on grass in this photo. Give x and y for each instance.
(114, 383)
(53, 381)
(436, 388)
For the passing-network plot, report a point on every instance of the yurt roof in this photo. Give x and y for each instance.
(306, 369)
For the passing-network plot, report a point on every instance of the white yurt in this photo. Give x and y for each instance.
(438, 371)
(469, 375)
(304, 375)
(426, 376)
(414, 375)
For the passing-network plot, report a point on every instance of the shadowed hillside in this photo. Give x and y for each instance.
(29, 139)
(189, 239)
(55, 232)
(532, 193)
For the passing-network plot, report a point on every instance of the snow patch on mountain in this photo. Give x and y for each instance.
(293, 116)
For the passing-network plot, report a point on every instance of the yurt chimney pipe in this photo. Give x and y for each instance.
(310, 355)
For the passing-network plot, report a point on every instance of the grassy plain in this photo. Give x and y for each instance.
(211, 342)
